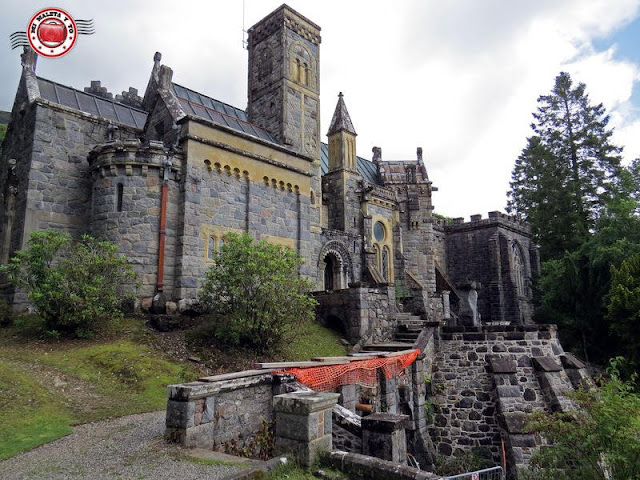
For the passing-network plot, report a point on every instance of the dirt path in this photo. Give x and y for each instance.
(123, 448)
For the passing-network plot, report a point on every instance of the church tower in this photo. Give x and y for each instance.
(342, 138)
(284, 79)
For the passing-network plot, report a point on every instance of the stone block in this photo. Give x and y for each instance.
(200, 436)
(180, 414)
(300, 427)
(306, 453)
(304, 403)
(515, 422)
(508, 391)
(570, 361)
(502, 364)
(546, 364)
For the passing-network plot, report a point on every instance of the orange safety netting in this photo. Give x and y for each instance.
(358, 372)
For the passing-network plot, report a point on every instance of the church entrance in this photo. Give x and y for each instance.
(332, 274)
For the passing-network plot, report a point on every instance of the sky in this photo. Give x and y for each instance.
(459, 78)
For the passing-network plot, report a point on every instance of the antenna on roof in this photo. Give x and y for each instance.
(244, 31)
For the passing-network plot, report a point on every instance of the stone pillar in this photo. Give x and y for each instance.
(387, 393)
(348, 397)
(383, 437)
(303, 424)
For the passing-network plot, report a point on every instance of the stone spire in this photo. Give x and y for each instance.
(341, 119)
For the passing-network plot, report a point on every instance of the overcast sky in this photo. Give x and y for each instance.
(459, 78)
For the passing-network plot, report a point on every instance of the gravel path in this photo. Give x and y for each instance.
(123, 448)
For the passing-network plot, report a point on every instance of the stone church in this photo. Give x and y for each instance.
(167, 175)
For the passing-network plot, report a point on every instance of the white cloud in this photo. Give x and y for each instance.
(459, 78)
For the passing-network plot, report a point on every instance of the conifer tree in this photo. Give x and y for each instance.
(568, 170)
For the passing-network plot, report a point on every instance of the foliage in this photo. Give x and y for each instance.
(76, 287)
(623, 309)
(568, 171)
(3, 133)
(292, 471)
(598, 441)
(255, 294)
(463, 462)
(576, 285)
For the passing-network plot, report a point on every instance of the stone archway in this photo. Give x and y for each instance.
(335, 268)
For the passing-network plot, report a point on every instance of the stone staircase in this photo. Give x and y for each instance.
(408, 328)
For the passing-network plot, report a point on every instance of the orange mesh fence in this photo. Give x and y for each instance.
(357, 372)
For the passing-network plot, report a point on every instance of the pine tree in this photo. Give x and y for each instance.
(568, 170)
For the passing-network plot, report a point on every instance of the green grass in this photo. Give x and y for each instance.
(98, 379)
(133, 375)
(291, 471)
(29, 414)
(315, 340)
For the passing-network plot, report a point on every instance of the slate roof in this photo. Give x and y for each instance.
(89, 103)
(365, 168)
(341, 119)
(191, 101)
(202, 106)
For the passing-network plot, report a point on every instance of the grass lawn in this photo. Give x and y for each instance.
(291, 471)
(315, 340)
(49, 385)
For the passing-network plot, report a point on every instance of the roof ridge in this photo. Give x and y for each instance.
(92, 95)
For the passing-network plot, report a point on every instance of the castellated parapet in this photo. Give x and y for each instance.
(126, 202)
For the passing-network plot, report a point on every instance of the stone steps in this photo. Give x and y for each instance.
(388, 347)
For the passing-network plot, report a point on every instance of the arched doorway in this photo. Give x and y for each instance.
(332, 273)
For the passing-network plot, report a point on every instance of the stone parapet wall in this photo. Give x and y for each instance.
(223, 412)
(468, 396)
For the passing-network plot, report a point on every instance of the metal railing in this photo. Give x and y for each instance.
(493, 473)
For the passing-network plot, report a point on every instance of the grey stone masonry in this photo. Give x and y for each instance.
(213, 413)
(482, 373)
(303, 424)
(383, 437)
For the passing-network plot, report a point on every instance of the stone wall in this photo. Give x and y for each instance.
(473, 399)
(223, 412)
(125, 207)
(484, 250)
(366, 313)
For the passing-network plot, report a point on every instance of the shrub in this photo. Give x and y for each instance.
(75, 287)
(255, 294)
(598, 441)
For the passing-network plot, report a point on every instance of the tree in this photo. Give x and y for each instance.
(255, 294)
(568, 170)
(75, 287)
(577, 286)
(597, 441)
(623, 309)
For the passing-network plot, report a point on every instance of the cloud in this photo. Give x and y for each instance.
(459, 78)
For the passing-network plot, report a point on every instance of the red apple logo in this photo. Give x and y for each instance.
(52, 32)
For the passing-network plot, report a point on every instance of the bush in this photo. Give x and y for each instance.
(75, 287)
(255, 294)
(599, 441)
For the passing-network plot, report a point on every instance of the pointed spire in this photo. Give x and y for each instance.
(341, 119)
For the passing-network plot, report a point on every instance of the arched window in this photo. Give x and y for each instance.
(221, 242)
(211, 248)
(519, 270)
(376, 249)
(385, 263)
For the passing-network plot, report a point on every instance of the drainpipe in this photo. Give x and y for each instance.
(159, 299)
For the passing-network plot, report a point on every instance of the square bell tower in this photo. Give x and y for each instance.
(284, 79)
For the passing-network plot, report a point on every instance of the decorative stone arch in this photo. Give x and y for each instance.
(519, 269)
(302, 65)
(335, 267)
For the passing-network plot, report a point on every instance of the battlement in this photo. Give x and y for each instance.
(495, 218)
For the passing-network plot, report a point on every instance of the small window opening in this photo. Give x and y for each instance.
(119, 197)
